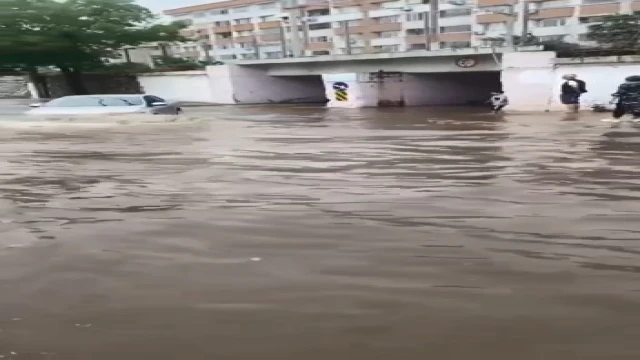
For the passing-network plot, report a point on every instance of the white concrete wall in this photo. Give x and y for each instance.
(450, 89)
(221, 85)
(190, 86)
(528, 80)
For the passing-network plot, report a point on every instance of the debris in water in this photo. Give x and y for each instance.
(83, 325)
(16, 319)
(256, 259)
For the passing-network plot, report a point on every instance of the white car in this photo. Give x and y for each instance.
(106, 105)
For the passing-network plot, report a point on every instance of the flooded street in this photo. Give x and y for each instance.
(306, 233)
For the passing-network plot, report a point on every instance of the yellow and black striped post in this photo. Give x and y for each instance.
(341, 95)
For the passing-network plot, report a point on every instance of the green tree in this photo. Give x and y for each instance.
(618, 33)
(75, 34)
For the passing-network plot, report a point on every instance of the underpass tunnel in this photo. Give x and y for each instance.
(297, 89)
(450, 89)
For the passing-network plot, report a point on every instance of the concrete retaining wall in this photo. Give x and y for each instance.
(188, 86)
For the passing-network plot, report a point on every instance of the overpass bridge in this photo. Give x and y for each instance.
(442, 77)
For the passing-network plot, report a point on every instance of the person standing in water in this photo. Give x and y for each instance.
(571, 90)
(628, 98)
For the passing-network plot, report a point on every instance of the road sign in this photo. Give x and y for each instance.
(340, 86)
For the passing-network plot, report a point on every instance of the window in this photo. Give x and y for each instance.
(219, 12)
(319, 26)
(322, 52)
(552, 22)
(223, 35)
(223, 47)
(595, 1)
(243, 21)
(413, 47)
(457, 28)
(411, 32)
(552, 38)
(346, 10)
(319, 12)
(388, 34)
(319, 39)
(150, 99)
(455, 12)
(241, 9)
(248, 56)
(415, 17)
(386, 48)
(245, 33)
(199, 15)
(354, 50)
(351, 23)
(222, 23)
(265, 18)
(590, 20)
(388, 19)
(270, 5)
(273, 55)
(455, 45)
(227, 57)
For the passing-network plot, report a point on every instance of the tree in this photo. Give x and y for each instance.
(618, 33)
(75, 34)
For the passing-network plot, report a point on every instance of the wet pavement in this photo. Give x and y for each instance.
(306, 233)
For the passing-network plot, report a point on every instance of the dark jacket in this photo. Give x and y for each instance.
(568, 89)
(629, 91)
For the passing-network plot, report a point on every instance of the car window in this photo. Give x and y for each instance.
(150, 99)
(85, 101)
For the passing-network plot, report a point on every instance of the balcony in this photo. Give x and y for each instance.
(242, 27)
(563, 12)
(222, 29)
(269, 25)
(269, 39)
(315, 46)
(385, 27)
(599, 9)
(245, 39)
(223, 41)
(491, 18)
(454, 37)
(352, 30)
(415, 39)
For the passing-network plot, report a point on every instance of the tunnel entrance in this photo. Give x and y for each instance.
(450, 89)
(300, 89)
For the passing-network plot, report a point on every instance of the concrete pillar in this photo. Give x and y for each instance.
(349, 90)
(528, 79)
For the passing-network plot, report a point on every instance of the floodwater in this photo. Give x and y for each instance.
(305, 233)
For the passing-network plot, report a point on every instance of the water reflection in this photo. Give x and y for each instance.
(289, 232)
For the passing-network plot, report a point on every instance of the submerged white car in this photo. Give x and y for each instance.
(106, 105)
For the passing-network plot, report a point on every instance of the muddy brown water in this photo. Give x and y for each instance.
(303, 233)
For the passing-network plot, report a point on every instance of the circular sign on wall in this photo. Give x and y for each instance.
(340, 86)
(466, 62)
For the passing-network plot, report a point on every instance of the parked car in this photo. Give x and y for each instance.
(106, 105)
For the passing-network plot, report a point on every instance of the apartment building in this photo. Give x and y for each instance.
(250, 29)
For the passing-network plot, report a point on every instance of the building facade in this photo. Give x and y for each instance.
(264, 29)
